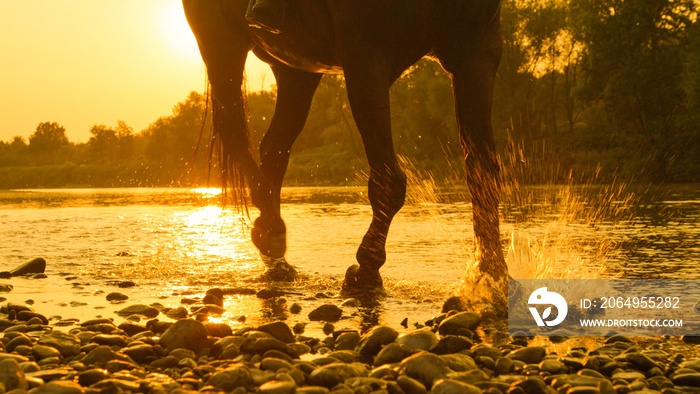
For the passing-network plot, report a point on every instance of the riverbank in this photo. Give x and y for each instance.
(154, 349)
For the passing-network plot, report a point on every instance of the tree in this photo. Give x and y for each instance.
(103, 143)
(49, 137)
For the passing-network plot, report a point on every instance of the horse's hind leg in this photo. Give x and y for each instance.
(368, 92)
(473, 67)
(295, 91)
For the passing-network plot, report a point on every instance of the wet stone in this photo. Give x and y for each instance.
(295, 308)
(177, 313)
(347, 340)
(115, 296)
(629, 376)
(59, 387)
(139, 309)
(458, 323)
(410, 385)
(126, 284)
(230, 379)
(109, 340)
(332, 374)
(450, 386)
(326, 312)
(373, 341)
(279, 330)
(473, 376)
(278, 387)
(28, 316)
(392, 353)
(67, 344)
(504, 365)
(140, 353)
(11, 375)
(528, 355)
(418, 340)
(41, 352)
(451, 344)
(425, 367)
(185, 333)
(459, 362)
(101, 355)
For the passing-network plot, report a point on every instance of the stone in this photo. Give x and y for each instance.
(458, 362)
(686, 379)
(279, 330)
(473, 376)
(326, 312)
(139, 309)
(410, 385)
(335, 373)
(101, 355)
(177, 313)
(347, 340)
(117, 296)
(231, 378)
(12, 375)
(504, 365)
(425, 367)
(36, 266)
(262, 345)
(186, 334)
(295, 308)
(126, 283)
(392, 353)
(553, 367)
(142, 354)
(27, 315)
(629, 376)
(532, 386)
(41, 352)
(640, 361)
(19, 340)
(451, 344)
(67, 344)
(451, 386)
(459, 322)
(278, 387)
(92, 376)
(59, 387)
(109, 340)
(6, 287)
(132, 329)
(528, 355)
(373, 341)
(418, 340)
(218, 330)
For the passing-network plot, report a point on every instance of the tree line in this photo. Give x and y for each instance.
(586, 88)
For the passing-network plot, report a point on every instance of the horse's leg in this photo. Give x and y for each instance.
(368, 84)
(224, 47)
(295, 91)
(473, 68)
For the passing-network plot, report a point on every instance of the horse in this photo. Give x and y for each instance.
(372, 43)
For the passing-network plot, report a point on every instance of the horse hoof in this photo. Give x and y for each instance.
(362, 284)
(278, 270)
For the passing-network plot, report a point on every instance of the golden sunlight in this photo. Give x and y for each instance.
(174, 30)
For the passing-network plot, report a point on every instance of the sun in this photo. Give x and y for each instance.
(173, 28)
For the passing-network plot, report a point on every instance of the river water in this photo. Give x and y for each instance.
(177, 243)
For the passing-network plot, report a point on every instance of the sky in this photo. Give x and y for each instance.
(86, 62)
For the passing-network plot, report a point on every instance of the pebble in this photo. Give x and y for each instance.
(459, 323)
(185, 333)
(326, 312)
(139, 309)
(423, 339)
(188, 356)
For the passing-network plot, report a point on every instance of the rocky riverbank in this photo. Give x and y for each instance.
(198, 354)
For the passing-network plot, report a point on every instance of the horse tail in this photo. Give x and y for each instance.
(231, 146)
(220, 30)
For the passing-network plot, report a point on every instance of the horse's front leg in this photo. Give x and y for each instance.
(368, 92)
(295, 91)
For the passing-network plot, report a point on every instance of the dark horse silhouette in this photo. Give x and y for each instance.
(372, 42)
